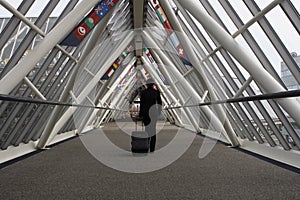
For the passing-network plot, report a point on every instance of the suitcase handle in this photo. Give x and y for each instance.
(136, 125)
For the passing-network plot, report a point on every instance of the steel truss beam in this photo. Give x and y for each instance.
(266, 81)
(60, 31)
(199, 71)
(215, 122)
(88, 88)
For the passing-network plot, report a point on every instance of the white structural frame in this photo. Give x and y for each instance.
(259, 74)
(110, 43)
(187, 44)
(63, 98)
(60, 31)
(215, 121)
(46, 137)
(164, 90)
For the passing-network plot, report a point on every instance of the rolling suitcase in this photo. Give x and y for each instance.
(139, 141)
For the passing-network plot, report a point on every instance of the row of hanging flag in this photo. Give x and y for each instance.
(127, 77)
(117, 62)
(171, 33)
(99, 12)
(153, 63)
(130, 87)
(89, 22)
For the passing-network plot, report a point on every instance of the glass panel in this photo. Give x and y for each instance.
(223, 15)
(227, 67)
(216, 67)
(266, 46)
(255, 88)
(287, 76)
(6, 13)
(296, 3)
(242, 10)
(204, 33)
(249, 51)
(263, 3)
(284, 29)
(59, 8)
(37, 8)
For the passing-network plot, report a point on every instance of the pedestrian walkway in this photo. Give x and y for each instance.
(71, 171)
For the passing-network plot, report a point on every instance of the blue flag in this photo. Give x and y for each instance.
(88, 23)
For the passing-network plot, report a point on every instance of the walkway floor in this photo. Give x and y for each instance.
(80, 169)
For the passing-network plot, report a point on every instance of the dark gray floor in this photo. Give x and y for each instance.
(68, 171)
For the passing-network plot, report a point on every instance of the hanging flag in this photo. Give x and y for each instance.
(174, 40)
(168, 27)
(147, 74)
(117, 63)
(152, 61)
(88, 23)
(155, 4)
(161, 14)
(172, 35)
(127, 77)
(147, 52)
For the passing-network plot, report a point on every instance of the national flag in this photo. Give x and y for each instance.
(164, 80)
(111, 3)
(168, 27)
(182, 55)
(147, 51)
(132, 70)
(180, 51)
(102, 9)
(88, 23)
(174, 40)
(145, 71)
(151, 59)
(120, 59)
(98, 9)
(81, 31)
(161, 14)
(110, 72)
(129, 48)
(173, 37)
(115, 65)
(92, 20)
(155, 4)
(124, 54)
(107, 75)
(123, 81)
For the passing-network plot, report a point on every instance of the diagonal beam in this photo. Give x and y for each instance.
(48, 136)
(111, 90)
(138, 20)
(215, 121)
(138, 13)
(16, 75)
(187, 45)
(70, 84)
(250, 63)
(164, 89)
